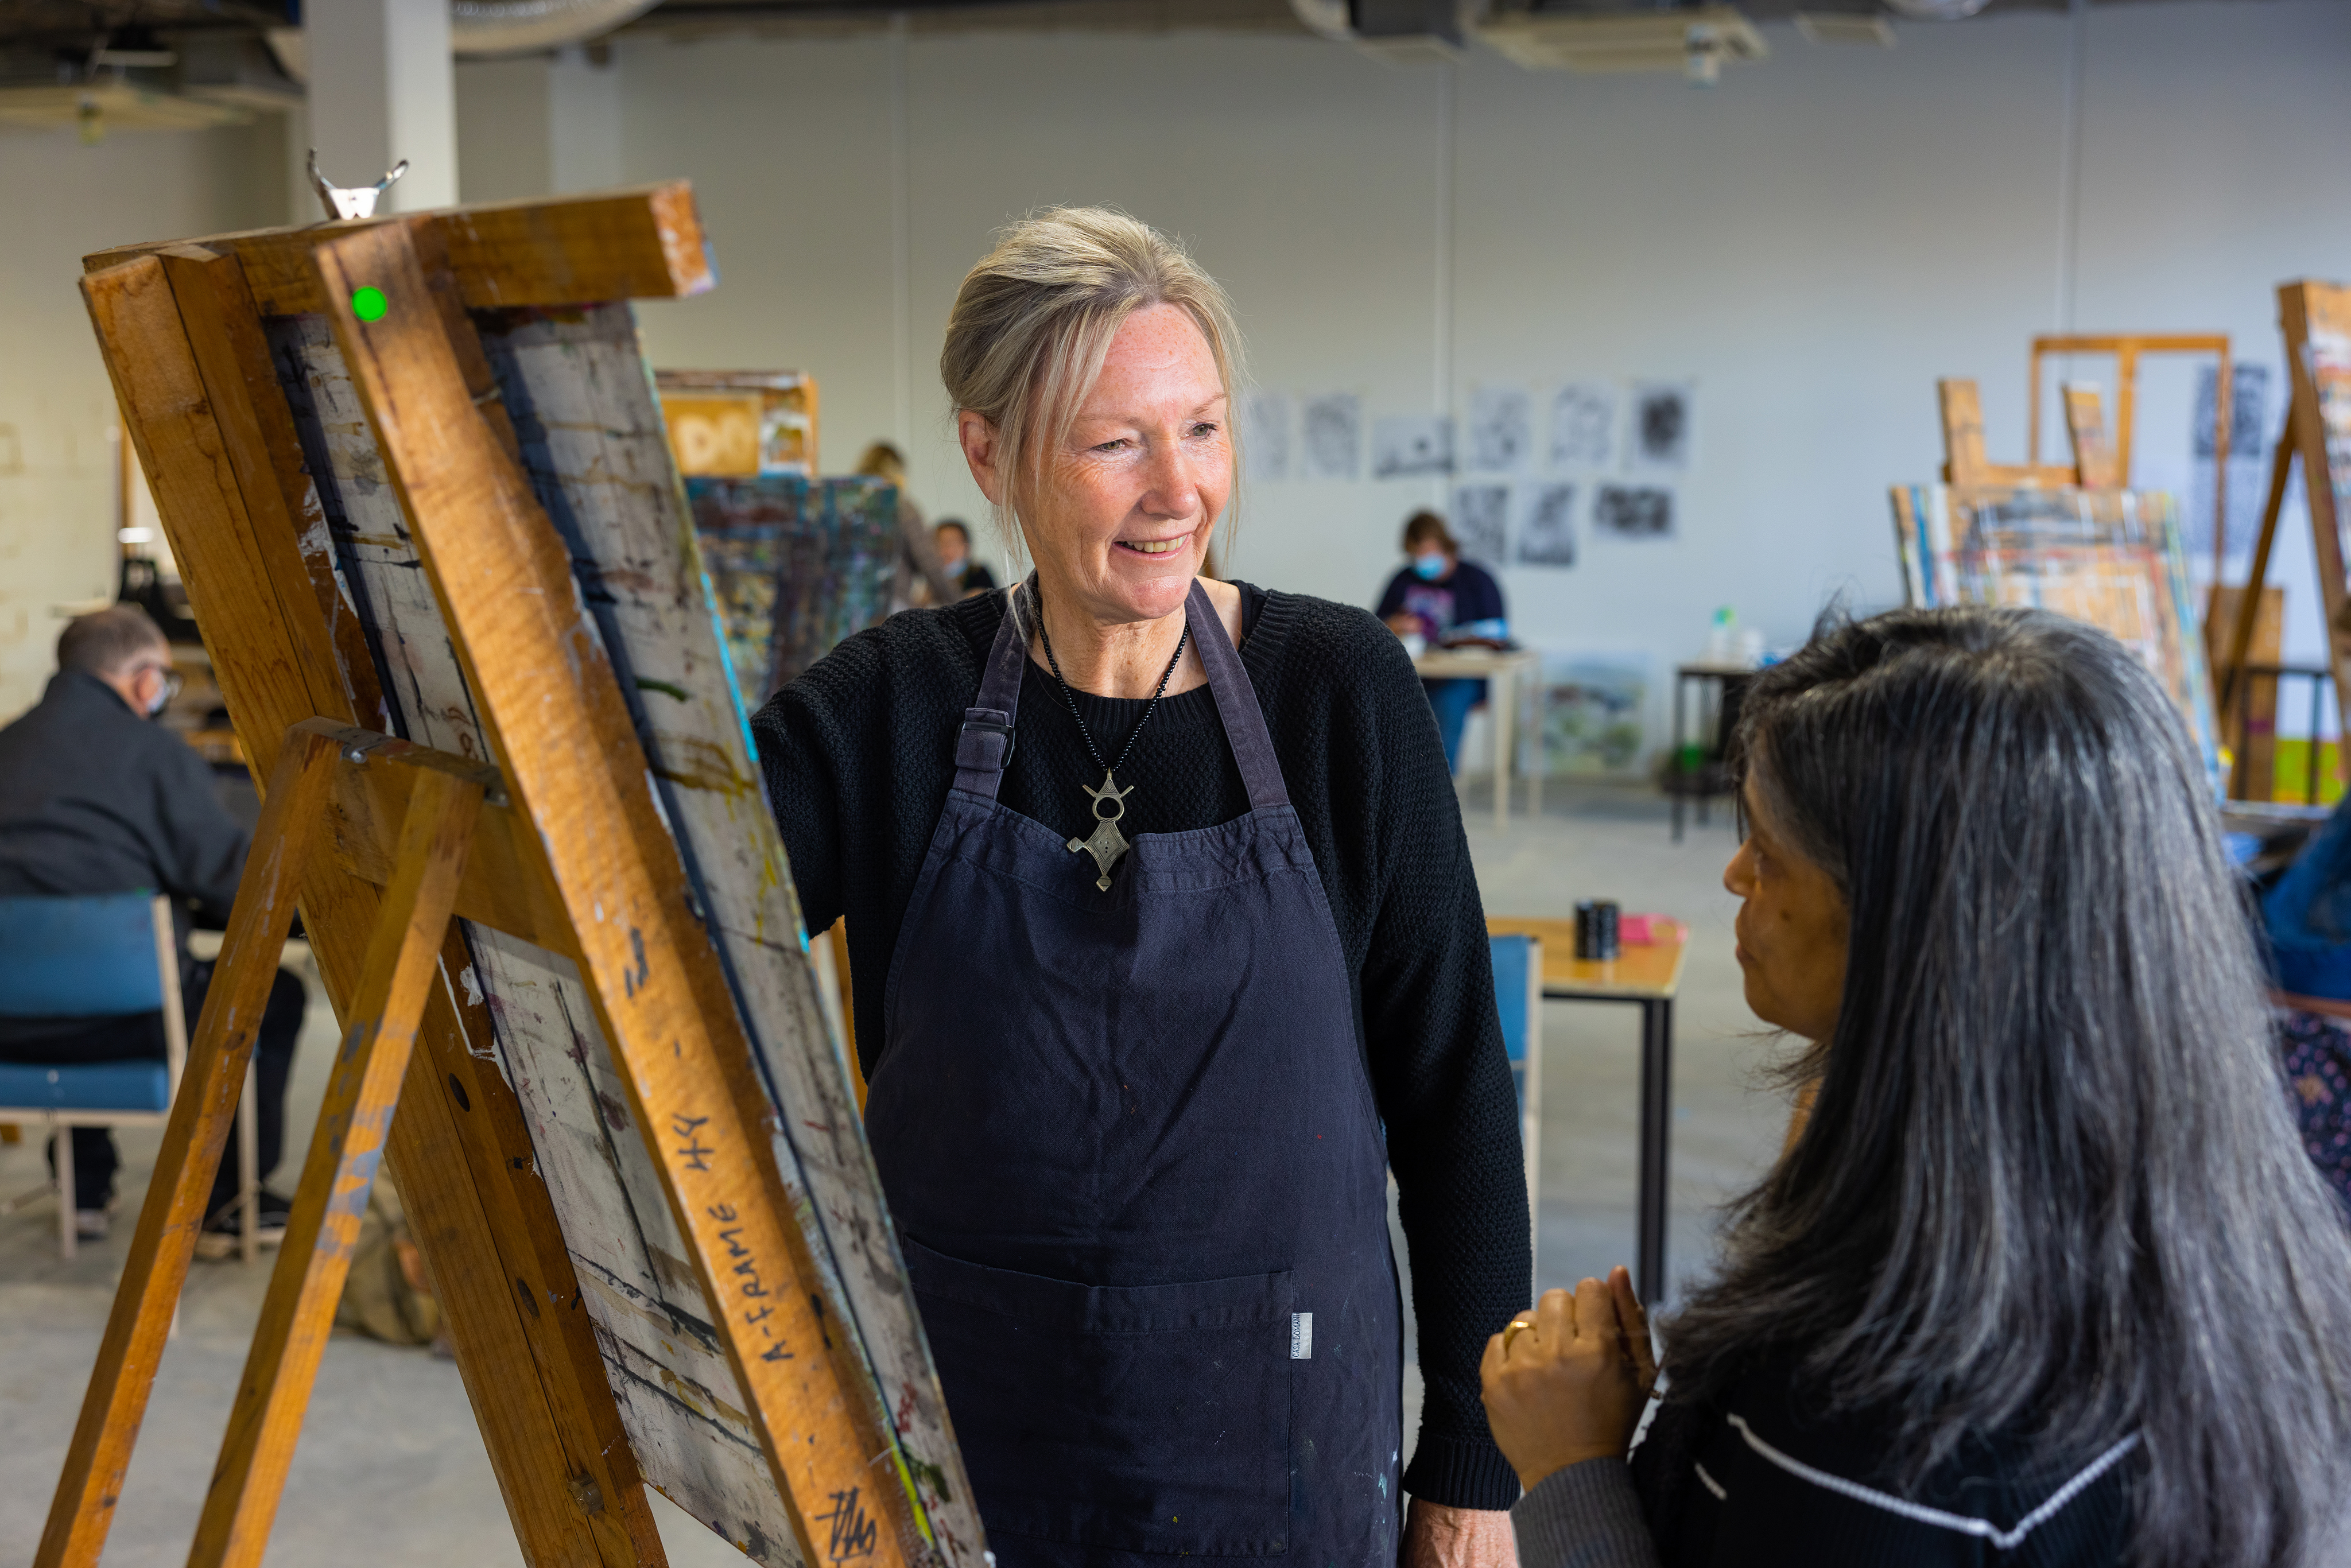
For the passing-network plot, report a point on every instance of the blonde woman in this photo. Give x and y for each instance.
(1159, 911)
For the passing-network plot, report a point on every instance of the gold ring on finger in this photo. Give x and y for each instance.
(1511, 1332)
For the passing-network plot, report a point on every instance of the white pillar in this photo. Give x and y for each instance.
(382, 87)
(583, 122)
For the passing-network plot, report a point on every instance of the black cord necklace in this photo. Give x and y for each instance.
(1106, 844)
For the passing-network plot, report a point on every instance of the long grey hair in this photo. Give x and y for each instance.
(2050, 1190)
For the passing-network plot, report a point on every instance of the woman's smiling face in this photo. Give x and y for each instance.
(1794, 928)
(1121, 520)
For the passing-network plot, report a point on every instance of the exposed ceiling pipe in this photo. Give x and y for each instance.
(1937, 10)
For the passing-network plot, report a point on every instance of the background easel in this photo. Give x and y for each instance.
(357, 438)
(2127, 348)
(2316, 321)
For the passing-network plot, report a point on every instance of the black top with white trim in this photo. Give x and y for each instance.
(1761, 1481)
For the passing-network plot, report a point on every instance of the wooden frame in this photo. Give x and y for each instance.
(359, 501)
(2127, 348)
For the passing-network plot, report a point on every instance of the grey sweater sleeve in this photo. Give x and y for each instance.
(1585, 1516)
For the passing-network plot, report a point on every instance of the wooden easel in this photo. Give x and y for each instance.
(2316, 321)
(412, 863)
(2115, 459)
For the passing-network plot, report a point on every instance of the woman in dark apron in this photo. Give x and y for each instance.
(1166, 948)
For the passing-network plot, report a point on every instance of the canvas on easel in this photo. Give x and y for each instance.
(417, 479)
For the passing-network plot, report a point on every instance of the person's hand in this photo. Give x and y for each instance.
(1569, 1386)
(1437, 1536)
(1404, 623)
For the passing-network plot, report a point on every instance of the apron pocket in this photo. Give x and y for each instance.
(1136, 1418)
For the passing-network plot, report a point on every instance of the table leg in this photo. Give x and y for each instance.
(1674, 762)
(1498, 697)
(1542, 708)
(1656, 1131)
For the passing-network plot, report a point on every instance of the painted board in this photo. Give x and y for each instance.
(574, 384)
(796, 565)
(2112, 558)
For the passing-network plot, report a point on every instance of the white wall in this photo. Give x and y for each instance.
(56, 478)
(1814, 241)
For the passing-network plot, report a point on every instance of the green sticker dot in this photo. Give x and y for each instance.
(369, 304)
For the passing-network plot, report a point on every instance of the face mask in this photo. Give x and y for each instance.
(162, 697)
(1430, 567)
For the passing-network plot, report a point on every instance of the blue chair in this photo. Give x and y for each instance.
(107, 955)
(1518, 992)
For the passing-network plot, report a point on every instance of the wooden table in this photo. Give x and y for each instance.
(1649, 976)
(1503, 670)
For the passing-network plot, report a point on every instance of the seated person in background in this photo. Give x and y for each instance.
(954, 541)
(2044, 1278)
(96, 799)
(1446, 601)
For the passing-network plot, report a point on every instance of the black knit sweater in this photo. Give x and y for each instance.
(858, 753)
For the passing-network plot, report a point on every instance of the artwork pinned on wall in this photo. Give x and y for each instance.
(1333, 432)
(1500, 433)
(1481, 515)
(1583, 425)
(2249, 391)
(1412, 446)
(1659, 440)
(2248, 445)
(1265, 435)
(1633, 512)
(1595, 709)
(1547, 525)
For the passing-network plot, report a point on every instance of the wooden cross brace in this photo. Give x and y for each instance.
(319, 775)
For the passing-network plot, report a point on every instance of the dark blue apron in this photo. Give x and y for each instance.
(1130, 1145)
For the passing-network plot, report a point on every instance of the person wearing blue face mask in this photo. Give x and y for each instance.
(1446, 601)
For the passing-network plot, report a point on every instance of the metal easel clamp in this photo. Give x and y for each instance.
(346, 203)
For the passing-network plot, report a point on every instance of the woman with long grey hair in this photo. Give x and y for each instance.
(2044, 1278)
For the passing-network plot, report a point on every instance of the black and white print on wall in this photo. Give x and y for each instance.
(1481, 520)
(1547, 525)
(2249, 439)
(1265, 435)
(1412, 446)
(1500, 433)
(1633, 512)
(2248, 401)
(1659, 440)
(1583, 425)
(1333, 432)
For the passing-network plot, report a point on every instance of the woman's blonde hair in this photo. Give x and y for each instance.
(1034, 320)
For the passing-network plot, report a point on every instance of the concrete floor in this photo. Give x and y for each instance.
(391, 1470)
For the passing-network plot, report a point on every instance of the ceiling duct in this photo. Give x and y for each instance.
(490, 27)
(1400, 32)
(1696, 41)
(230, 68)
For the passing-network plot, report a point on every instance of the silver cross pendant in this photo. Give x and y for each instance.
(1105, 843)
